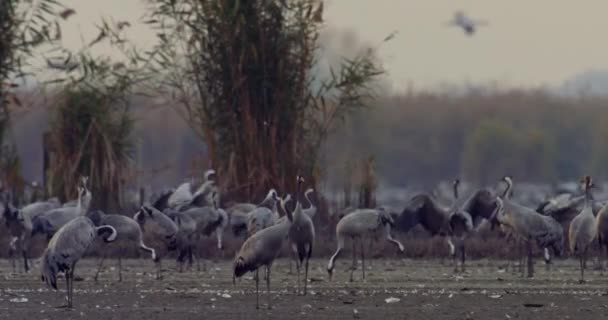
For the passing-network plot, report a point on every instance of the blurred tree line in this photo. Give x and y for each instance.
(421, 138)
(27, 30)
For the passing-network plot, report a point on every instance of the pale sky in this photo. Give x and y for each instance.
(527, 43)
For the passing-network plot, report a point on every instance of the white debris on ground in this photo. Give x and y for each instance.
(392, 300)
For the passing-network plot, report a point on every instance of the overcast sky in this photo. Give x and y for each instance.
(527, 43)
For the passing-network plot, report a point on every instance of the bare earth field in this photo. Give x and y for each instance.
(425, 289)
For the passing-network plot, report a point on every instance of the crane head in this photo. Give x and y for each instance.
(587, 182)
(210, 175)
(272, 194)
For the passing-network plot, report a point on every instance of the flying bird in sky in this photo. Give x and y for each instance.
(467, 24)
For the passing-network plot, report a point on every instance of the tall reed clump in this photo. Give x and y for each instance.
(91, 135)
(247, 76)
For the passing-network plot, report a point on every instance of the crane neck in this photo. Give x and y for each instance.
(507, 193)
(299, 196)
(79, 201)
(306, 195)
(588, 196)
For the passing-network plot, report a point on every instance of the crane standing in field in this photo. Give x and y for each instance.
(261, 249)
(528, 226)
(583, 228)
(358, 225)
(66, 247)
(301, 236)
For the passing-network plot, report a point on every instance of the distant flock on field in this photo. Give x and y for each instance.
(177, 218)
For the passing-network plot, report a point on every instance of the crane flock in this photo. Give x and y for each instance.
(178, 218)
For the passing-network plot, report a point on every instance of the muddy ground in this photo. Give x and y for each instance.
(394, 289)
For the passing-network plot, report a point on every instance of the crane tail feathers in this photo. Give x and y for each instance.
(48, 272)
(301, 252)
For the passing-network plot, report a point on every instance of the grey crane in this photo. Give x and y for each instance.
(238, 217)
(360, 224)
(261, 249)
(528, 225)
(185, 238)
(161, 227)
(602, 231)
(67, 246)
(129, 233)
(49, 222)
(19, 224)
(466, 216)
(203, 197)
(265, 215)
(15, 230)
(423, 210)
(565, 206)
(183, 197)
(583, 228)
(301, 236)
(207, 220)
(225, 221)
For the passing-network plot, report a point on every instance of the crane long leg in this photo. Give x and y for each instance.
(257, 288)
(582, 269)
(67, 289)
(600, 259)
(295, 255)
(268, 284)
(462, 256)
(306, 267)
(547, 257)
(521, 257)
(159, 275)
(24, 254)
(530, 259)
(452, 252)
(99, 266)
(584, 261)
(71, 272)
(119, 269)
(71, 287)
(354, 265)
(606, 251)
(363, 259)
